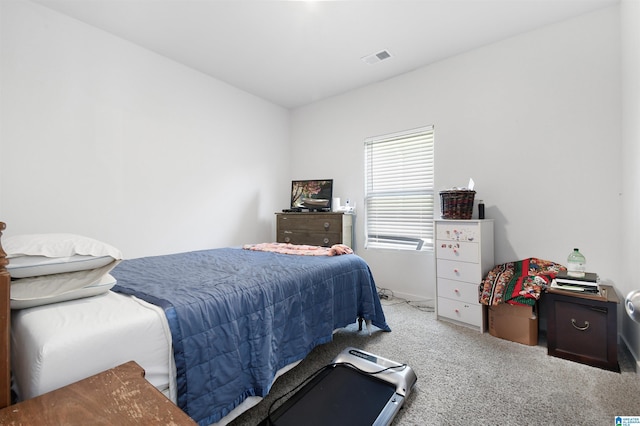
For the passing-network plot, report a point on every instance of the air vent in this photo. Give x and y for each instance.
(376, 57)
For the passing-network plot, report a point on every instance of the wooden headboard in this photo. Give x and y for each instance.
(5, 327)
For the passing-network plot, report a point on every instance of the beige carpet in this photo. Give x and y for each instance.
(468, 378)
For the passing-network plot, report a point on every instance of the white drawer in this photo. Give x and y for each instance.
(459, 271)
(458, 290)
(458, 250)
(458, 231)
(461, 311)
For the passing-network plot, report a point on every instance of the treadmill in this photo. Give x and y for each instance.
(357, 388)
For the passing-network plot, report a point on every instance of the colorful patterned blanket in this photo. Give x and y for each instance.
(518, 283)
(300, 249)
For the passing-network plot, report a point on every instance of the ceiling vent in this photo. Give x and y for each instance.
(376, 57)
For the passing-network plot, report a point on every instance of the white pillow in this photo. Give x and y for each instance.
(41, 290)
(34, 266)
(102, 286)
(32, 255)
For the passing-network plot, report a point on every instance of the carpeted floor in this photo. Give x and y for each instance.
(468, 378)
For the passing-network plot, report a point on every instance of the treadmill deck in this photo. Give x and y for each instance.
(358, 388)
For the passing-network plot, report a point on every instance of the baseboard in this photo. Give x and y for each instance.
(633, 354)
(419, 300)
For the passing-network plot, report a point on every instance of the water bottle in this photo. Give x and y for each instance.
(481, 209)
(576, 264)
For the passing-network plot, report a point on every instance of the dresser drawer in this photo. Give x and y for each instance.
(459, 271)
(458, 250)
(458, 290)
(458, 231)
(469, 313)
(310, 222)
(326, 239)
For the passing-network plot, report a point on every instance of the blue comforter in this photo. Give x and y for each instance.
(237, 316)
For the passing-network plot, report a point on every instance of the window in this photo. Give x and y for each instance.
(399, 195)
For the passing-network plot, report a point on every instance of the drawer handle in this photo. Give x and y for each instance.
(326, 225)
(573, 323)
(326, 240)
(457, 311)
(455, 290)
(455, 270)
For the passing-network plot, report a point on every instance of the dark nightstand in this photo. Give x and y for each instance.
(583, 327)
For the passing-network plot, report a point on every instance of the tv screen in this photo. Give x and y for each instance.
(312, 195)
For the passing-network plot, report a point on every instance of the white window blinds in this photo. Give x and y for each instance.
(399, 195)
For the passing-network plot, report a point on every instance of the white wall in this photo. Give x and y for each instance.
(103, 138)
(630, 24)
(535, 120)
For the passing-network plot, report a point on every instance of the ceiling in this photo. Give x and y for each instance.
(293, 53)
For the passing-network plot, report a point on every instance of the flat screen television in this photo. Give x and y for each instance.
(312, 195)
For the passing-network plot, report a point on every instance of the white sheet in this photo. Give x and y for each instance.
(58, 344)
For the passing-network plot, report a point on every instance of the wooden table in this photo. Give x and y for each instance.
(119, 396)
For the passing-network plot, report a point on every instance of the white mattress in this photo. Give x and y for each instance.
(55, 345)
(58, 344)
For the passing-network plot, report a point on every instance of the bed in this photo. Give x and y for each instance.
(212, 328)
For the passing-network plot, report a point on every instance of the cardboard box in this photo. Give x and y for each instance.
(514, 322)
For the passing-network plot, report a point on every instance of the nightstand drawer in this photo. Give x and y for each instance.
(458, 250)
(459, 271)
(458, 290)
(583, 329)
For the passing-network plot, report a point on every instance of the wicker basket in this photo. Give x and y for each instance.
(457, 204)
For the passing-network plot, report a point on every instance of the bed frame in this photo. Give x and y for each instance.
(5, 327)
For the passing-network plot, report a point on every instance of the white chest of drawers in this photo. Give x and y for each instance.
(464, 254)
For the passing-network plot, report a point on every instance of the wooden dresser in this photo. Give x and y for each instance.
(318, 229)
(583, 327)
(464, 254)
(119, 396)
